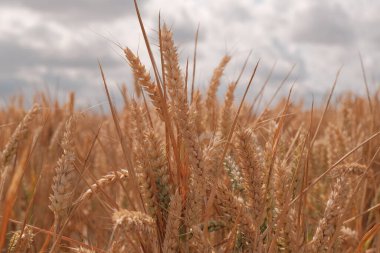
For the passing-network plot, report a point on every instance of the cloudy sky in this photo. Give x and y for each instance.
(55, 45)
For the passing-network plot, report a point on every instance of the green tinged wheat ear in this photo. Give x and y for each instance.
(20, 243)
(171, 240)
(233, 208)
(158, 165)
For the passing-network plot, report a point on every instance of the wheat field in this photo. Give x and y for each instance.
(178, 170)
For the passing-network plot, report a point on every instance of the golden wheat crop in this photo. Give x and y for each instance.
(177, 170)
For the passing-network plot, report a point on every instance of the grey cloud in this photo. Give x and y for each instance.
(184, 33)
(15, 56)
(19, 56)
(74, 11)
(184, 27)
(323, 23)
(369, 32)
(42, 33)
(10, 86)
(57, 83)
(235, 12)
(18, 59)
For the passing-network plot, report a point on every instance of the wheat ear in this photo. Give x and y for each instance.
(197, 113)
(252, 167)
(211, 101)
(9, 152)
(225, 122)
(328, 226)
(134, 221)
(186, 128)
(145, 176)
(171, 240)
(101, 183)
(143, 78)
(21, 242)
(21, 130)
(65, 178)
(158, 165)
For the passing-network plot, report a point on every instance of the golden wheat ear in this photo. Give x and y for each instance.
(21, 130)
(100, 184)
(330, 225)
(252, 167)
(144, 81)
(171, 240)
(211, 102)
(65, 179)
(9, 151)
(82, 250)
(225, 121)
(132, 225)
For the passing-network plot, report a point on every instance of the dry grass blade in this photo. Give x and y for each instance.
(124, 147)
(365, 83)
(194, 65)
(374, 230)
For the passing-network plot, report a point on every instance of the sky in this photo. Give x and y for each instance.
(56, 45)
